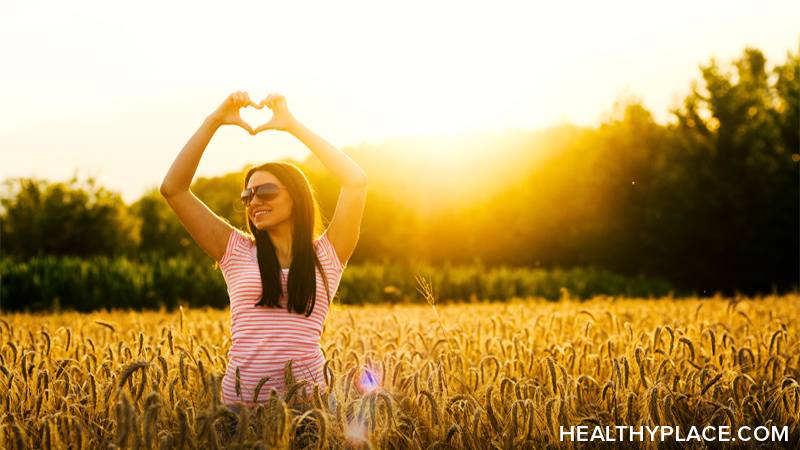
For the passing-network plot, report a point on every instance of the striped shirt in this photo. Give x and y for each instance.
(264, 339)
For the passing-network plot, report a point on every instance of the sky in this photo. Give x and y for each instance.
(114, 90)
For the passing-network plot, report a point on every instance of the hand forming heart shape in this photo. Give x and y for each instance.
(252, 115)
(229, 112)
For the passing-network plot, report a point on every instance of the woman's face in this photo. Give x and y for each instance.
(268, 214)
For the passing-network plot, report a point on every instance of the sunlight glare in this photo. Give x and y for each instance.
(356, 433)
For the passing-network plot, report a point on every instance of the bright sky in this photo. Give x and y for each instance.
(115, 89)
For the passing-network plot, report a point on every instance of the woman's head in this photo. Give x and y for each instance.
(295, 205)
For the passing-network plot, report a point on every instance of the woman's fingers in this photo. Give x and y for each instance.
(268, 101)
(275, 99)
(242, 99)
(239, 100)
(249, 102)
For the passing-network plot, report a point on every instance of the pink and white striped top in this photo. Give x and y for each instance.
(263, 339)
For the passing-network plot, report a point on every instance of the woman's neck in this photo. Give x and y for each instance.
(281, 237)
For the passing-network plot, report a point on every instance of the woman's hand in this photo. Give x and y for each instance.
(282, 118)
(228, 111)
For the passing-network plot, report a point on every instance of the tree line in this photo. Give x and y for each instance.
(709, 201)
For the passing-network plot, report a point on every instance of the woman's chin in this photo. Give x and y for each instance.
(265, 225)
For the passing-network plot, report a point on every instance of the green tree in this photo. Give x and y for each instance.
(72, 218)
(160, 230)
(734, 207)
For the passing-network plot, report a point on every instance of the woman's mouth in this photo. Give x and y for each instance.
(261, 213)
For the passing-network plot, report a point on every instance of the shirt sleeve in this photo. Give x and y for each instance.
(329, 257)
(238, 244)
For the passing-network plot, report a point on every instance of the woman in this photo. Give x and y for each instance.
(280, 279)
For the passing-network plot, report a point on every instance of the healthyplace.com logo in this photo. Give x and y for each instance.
(661, 433)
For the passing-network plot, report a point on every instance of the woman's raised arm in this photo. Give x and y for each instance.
(344, 227)
(209, 231)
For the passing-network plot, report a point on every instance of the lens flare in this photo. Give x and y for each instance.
(366, 382)
(355, 433)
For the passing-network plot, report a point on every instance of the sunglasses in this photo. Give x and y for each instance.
(265, 192)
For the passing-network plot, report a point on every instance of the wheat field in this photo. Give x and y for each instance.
(478, 375)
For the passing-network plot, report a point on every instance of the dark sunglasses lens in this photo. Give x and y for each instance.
(247, 194)
(267, 191)
(264, 192)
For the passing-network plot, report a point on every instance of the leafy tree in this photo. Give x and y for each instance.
(160, 230)
(735, 205)
(72, 218)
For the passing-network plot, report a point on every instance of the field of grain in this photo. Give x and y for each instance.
(481, 375)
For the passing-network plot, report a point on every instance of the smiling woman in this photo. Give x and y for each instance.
(282, 274)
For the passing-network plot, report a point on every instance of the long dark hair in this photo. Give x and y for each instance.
(307, 220)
